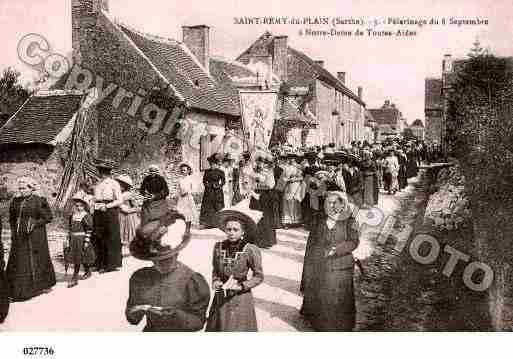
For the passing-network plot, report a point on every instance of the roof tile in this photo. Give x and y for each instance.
(190, 80)
(40, 119)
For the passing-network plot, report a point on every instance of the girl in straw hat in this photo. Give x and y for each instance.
(233, 308)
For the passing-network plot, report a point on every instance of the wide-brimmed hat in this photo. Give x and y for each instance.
(81, 197)
(125, 179)
(140, 247)
(215, 158)
(105, 163)
(241, 212)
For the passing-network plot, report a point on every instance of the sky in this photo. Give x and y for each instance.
(391, 68)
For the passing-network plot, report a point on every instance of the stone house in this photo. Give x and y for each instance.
(339, 112)
(156, 100)
(30, 141)
(389, 121)
(417, 128)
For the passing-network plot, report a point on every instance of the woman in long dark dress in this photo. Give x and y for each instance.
(4, 287)
(213, 196)
(266, 232)
(29, 270)
(233, 307)
(412, 168)
(355, 186)
(401, 177)
(327, 281)
(370, 180)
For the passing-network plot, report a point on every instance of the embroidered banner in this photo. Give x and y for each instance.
(258, 114)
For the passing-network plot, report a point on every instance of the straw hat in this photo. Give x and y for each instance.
(80, 196)
(241, 213)
(125, 179)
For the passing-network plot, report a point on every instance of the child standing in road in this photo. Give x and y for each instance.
(79, 250)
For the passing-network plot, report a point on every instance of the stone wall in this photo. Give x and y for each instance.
(41, 163)
(433, 130)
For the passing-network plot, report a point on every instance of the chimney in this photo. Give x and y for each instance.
(279, 55)
(84, 14)
(320, 63)
(360, 93)
(197, 40)
(342, 77)
(447, 63)
(387, 104)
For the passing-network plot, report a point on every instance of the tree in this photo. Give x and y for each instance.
(12, 93)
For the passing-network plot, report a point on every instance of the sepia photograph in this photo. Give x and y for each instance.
(241, 166)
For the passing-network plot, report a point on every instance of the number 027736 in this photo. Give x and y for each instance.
(38, 351)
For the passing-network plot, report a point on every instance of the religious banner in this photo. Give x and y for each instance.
(258, 113)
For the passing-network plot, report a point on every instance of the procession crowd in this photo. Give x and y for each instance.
(319, 188)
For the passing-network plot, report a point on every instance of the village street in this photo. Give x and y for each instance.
(98, 304)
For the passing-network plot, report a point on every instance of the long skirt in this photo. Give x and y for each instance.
(29, 269)
(291, 212)
(266, 233)
(369, 190)
(306, 211)
(213, 202)
(395, 181)
(107, 239)
(187, 207)
(412, 169)
(232, 314)
(4, 296)
(277, 208)
(329, 303)
(228, 193)
(401, 177)
(128, 224)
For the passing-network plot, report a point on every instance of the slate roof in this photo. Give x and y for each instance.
(433, 93)
(174, 61)
(263, 47)
(41, 118)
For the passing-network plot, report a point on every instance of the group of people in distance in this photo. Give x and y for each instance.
(248, 198)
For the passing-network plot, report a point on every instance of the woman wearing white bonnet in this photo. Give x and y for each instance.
(29, 269)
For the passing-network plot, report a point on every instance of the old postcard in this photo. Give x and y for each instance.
(238, 166)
